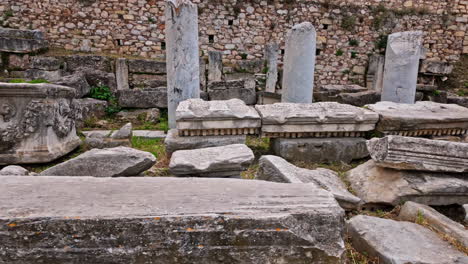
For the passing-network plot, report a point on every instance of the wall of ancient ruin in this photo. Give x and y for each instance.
(348, 30)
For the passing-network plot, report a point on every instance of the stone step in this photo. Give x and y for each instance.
(167, 220)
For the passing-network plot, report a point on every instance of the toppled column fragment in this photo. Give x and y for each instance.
(299, 64)
(167, 220)
(421, 119)
(401, 67)
(219, 162)
(324, 119)
(276, 169)
(182, 59)
(394, 242)
(37, 122)
(196, 117)
(408, 153)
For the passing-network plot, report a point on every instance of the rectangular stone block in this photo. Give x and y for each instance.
(324, 119)
(167, 220)
(143, 98)
(219, 162)
(240, 89)
(22, 41)
(421, 119)
(320, 150)
(196, 117)
(407, 153)
(174, 142)
(146, 67)
(37, 122)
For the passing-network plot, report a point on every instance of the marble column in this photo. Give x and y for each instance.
(401, 67)
(182, 55)
(299, 64)
(271, 57)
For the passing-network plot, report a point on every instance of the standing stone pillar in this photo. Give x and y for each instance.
(121, 74)
(215, 66)
(271, 57)
(299, 64)
(375, 73)
(183, 73)
(401, 67)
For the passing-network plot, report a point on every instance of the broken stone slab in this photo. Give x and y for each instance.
(394, 242)
(268, 98)
(174, 142)
(93, 62)
(76, 81)
(37, 123)
(320, 150)
(408, 153)
(276, 169)
(324, 119)
(14, 170)
(220, 162)
(110, 162)
(436, 67)
(143, 98)
(231, 89)
(22, 41)
(121, 137)
(45, 63)
(423, 214)
(335, 89)
(167, 220)
(459, 100)
(465, 207)
(271, 58)
(50, 76)
(359, 99)
(196, 117)
(375, 72)
(124, 132)
(299, 64)
(146, 66)
(215, 66)
(137, 115)
(421, 119)
(121, 74)
(149, 134)
(378, 186)
(401, 67)
(147, 81)
(96, 78)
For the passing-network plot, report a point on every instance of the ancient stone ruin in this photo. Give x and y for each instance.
(234, 134)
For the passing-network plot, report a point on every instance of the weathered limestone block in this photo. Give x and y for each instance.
(271, 58)
(320, 150)
(96, 63)
(415, 212)
(276, 169)
(382, 186)
(219, 162)
(97, 78)
(196, 117)
(401, 67)
(14, 170)
(22, 41)
(394, 242)
(167, 220)
(299, 64)
(232, 89)
(465, 207)
(268, 98)
(324, 119)
(51, 76)
(37, 123)
(87, 109)
(17, 62)
(121, 74)
(408, 153)
(182, 59)
(359, 99)
(147, 67)
(420, 119)
(45, 63)
(110, 162)
(76, 81)
(174, 142)
(121, 137)
(436, 67)
(145, 81)
(143, 98)
(148, 115)
(375, 73)
(459, 100)
(215, 66)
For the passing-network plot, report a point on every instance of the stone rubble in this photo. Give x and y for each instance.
(276, 169)
(408, 153)
(167, 220)
(220, 162)
(414, 212)
(196, 117)
(419, 119)
(110, 162)
(378, 186)
(394, 242)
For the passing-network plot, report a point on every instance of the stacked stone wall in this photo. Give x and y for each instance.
(348, 31)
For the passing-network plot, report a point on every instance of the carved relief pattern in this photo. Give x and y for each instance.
(7, 111)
